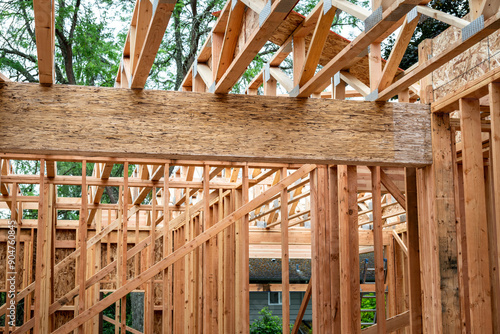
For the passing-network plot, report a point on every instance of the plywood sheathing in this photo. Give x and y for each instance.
(469, 65)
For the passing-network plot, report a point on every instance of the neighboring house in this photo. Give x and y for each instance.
(268, 271)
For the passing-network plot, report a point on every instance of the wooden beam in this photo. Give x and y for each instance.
(282, 78)
(443, 17)
(352, 9)
(354, 82)
(183, 250)
(313, 130)
(490, 26)
(278, 11)
(45, 39)
(385, 26)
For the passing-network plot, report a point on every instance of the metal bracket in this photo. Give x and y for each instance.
(412, 15)
(473, 28)
(267, 74)
(212, 87)
(264, 14)
(373, 19)
(327, 5)
(195, 68)
(294, 92)
(336, 79)
(372, 96)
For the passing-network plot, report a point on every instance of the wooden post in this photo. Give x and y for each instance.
(167, 249)
(210, 277)
(123, 250)
(285, 258)
(494, 90)
(82, 239)
(229, 268)
(378, 246)
(349, 250)
(333, 206)
(443, 205)
(415, 288)
(476, 218)
(43, 289)
(244, 253)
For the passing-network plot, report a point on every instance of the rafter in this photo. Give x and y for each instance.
(317, 43)
(398, 51)
(382, 28)
(148, 25)
(232, 32)
(268, 23)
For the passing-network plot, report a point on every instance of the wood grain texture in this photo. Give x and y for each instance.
(175, 125)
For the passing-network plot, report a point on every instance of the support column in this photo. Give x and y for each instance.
(494, 231)
(349, 250)
(476, 218)
(441, 182)
(415, 288)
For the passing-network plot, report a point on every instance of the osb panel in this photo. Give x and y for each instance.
(62, 317)
(292, 21)
(64, 281)
(158, 293)
(466, 67)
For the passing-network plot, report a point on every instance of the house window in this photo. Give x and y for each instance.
(274, 298)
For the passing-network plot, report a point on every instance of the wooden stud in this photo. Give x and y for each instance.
(82, 239)
(43, 289)
(494, 230)
(413, 251)
(285, 259)
(475, 216)
(378, 247)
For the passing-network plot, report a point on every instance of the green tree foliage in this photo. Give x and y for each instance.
(267, 323)
(88, 47)
(427, 28)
